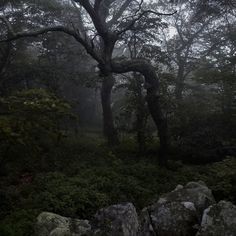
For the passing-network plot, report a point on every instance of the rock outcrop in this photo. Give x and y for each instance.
(119, 220)
(196, 192)
(169, 219)
(186, 211)
(219, 220)
(178, 212)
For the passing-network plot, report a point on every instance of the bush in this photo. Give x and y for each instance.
(19, 223)
(89, 176)
(30, 124)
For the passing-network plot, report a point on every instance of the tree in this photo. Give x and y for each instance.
(185, 47)
(107, 30)
(5, 51)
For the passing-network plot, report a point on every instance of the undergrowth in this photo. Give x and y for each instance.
(78, 177)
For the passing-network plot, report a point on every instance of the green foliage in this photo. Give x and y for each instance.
(220, 177)
(95, 176)
(70, 196)
(19, 223)
(30, 122)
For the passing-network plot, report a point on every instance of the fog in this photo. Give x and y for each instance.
(92, 88)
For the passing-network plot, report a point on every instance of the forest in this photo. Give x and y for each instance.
(110, 101)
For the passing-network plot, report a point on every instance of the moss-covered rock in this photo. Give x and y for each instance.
(49, 224)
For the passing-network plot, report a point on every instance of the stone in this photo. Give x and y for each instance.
(50, 224)
(187, 210)
(145, 223)
(219, 220)
(196, 192)
(169, 219)
(117, 220)
(177, 212)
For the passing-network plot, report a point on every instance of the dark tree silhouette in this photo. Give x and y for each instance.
(107, 36)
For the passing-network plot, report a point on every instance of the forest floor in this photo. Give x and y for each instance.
(79, 176)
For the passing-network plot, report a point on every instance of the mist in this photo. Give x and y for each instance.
(106, 102)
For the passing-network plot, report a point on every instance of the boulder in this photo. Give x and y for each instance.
(169, 219)
(219, 220)
(49, 224)
(177, 212)
(117, 220)
(196, 192)
(187, 210)
(145, 223)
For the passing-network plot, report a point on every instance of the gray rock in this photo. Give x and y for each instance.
(177, 212)
(196, 192)
(219, 220)
(116, 220)
(169, 219)
(145, 223)
(49, 224)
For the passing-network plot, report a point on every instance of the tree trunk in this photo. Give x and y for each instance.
(154, 106)
(179, 86)
(108, 124)
(153, 99)
(141, 114)
(141, 127)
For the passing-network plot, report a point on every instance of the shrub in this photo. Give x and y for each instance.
(30, 124)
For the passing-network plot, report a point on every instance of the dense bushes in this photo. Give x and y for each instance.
(75, 177)
(87, 176)
(30, 123)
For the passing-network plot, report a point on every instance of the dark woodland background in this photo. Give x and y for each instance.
(109, 101)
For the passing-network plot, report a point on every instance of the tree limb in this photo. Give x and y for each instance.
(93, 15)
(132, 22)
(26, 34)
(8, 24)
(119, 13)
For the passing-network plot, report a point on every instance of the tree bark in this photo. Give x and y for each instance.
(108, 124)
(179, 86)
(152, 97)
(141, 114)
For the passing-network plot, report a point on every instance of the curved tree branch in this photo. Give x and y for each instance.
(153, 97)
(26, 34)
(138, 65)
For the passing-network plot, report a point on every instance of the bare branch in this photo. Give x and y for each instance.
(26, 34)
(180, 33)
(8, 24)
(119, 13)
(132, 22)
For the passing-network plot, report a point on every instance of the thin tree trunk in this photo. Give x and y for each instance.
(179, 87)
(141, 116)
(141, 125)
(108, 124)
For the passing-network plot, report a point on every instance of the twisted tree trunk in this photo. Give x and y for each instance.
(152, 97)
